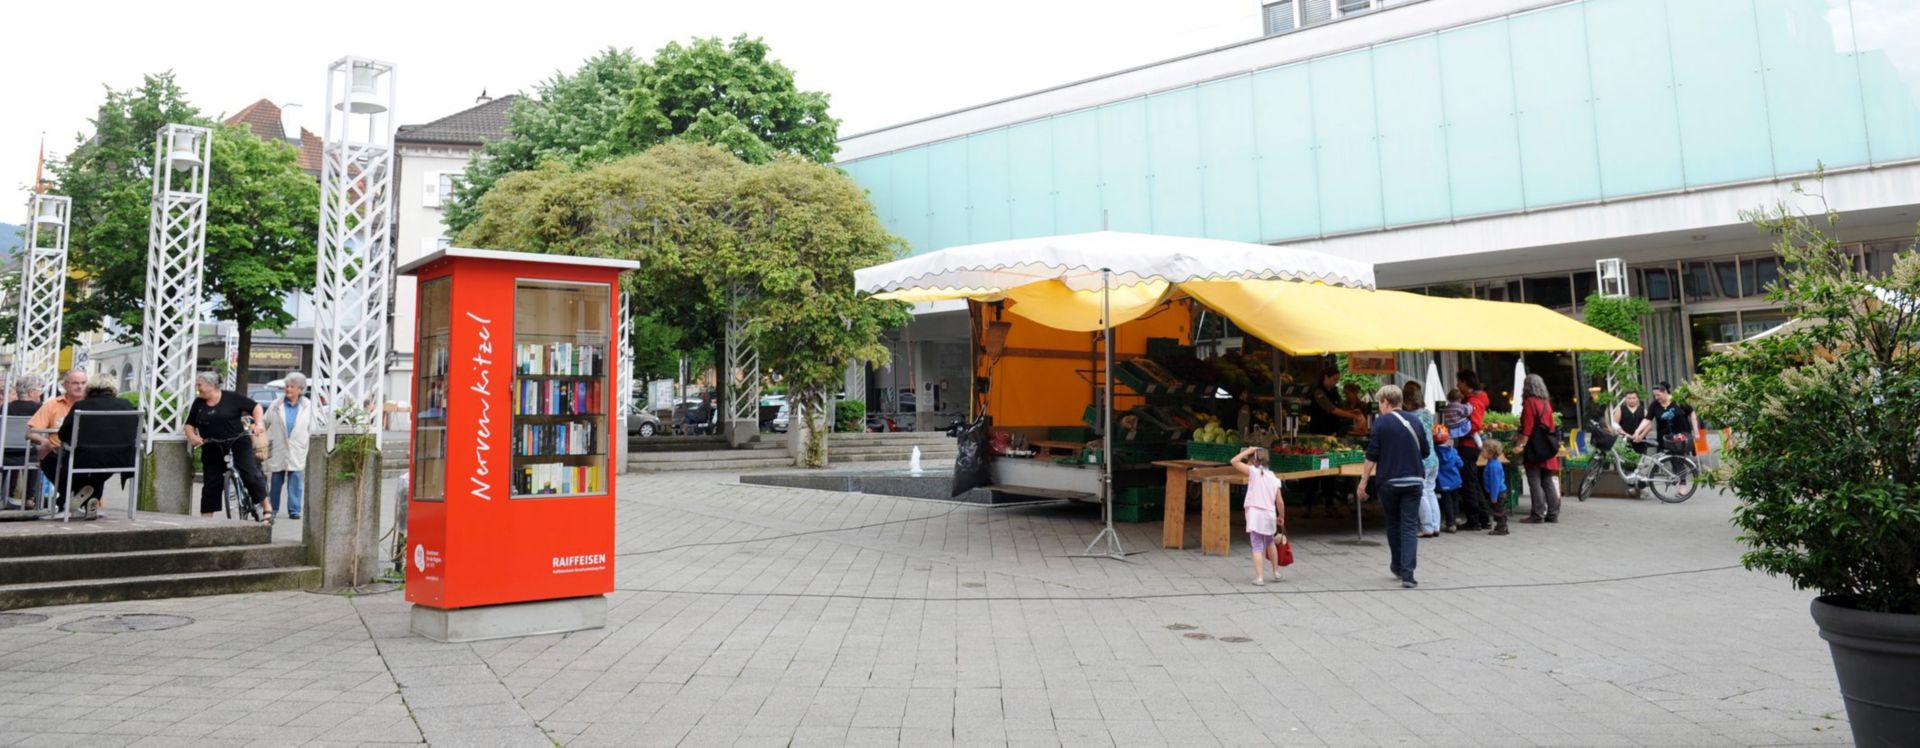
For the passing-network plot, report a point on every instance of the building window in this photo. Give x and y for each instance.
(1550, 291)
(1278, 17)
(1659, 284)
(1583, 286)
(442, 243)
(446, 188)
(1315, 11)
(1878, 256)
(1349, 7)
(1706, 281)
(1756, 274)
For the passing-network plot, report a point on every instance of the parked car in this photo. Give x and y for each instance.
(640, 423)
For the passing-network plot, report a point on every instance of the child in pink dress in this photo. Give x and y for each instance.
(1264, 508)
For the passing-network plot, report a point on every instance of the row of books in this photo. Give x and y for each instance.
(541, 440)
(550, 397)
(561, 358)
(534, 480)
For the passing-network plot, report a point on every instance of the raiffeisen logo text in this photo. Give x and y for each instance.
(586, 562)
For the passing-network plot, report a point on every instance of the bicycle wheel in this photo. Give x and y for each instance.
(1675, 479)
(1594, 469)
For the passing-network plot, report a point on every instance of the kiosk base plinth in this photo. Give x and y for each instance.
(511, 620)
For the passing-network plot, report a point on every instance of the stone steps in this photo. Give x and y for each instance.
(109, 559)
(60, 568)
(74, 591)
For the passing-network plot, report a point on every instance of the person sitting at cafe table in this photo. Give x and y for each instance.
(41, 427)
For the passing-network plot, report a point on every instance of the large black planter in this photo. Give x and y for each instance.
(1877, 656)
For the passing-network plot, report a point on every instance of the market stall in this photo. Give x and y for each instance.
(1089, 339)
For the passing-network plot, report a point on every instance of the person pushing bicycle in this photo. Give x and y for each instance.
(215, 425)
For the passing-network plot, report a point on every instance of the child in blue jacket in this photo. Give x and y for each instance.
(1447, 480)
(1495, 481)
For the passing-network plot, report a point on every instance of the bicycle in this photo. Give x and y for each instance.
(1670, 472)
(235, 491)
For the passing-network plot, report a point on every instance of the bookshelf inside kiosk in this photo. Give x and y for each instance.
(560, 389)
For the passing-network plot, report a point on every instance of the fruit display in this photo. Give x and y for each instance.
(1213, 433)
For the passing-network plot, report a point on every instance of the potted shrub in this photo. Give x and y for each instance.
(1826, 460)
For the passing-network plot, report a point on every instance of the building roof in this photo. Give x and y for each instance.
(478, 125)
(263, 118)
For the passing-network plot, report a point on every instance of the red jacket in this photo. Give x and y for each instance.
(1534, 411)
(1476, 412)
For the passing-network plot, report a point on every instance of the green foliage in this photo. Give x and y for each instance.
(777, 243)
(728, 93)
(1619, 317)
(107, 176)
(262, 222)
(262, 215)
(1827, 448)
(850, 416)
(1368, 383)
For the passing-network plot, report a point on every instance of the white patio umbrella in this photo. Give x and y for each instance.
(1435, 390)
(1103, 261)
(1519, 384)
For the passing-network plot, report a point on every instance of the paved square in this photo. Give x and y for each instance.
(769, 616)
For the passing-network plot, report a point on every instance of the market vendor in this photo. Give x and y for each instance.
(1327, 415)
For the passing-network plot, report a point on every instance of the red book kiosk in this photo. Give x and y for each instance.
(510, 511)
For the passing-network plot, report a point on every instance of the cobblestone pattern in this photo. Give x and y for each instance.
(752, 615)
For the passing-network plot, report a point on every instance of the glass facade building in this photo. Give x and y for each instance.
(1591, 100)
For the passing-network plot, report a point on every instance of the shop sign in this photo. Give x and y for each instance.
(1371, 362)
(274, 357)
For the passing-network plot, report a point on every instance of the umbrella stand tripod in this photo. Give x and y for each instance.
(1114, 549)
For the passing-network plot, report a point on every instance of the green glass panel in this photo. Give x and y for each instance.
(1173, 153)
(1285, 166)
(1413, 144)
(1076, 154)
(1813, 86)
(1558, 162)
(909, 187)
(947, 193)
(1483, 156)
(1634, 115)
(1349, 156)
(1723, 106)
(1123, 166)
(1030, 177)
(987, 209)
(1230, 186)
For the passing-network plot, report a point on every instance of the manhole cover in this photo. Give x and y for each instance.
(1181, 627)
(1197, 635)
(10, 620)
(975, 585)
(1235, 639)
(125, 623)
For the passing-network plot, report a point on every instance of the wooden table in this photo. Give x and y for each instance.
(1216, 521)
(1046, 447)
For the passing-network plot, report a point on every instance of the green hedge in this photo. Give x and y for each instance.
(850, 416)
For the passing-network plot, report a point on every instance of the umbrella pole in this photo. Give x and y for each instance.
(1113, 550)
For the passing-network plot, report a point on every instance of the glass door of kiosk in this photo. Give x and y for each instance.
(560, 389)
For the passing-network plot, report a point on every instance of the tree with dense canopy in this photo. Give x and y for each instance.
(728, 93)
(777, 243)
(262, 217)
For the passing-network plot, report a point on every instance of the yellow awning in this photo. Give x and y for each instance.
(1052, 304)
(1309, 319)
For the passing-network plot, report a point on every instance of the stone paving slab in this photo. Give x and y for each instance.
(751, 615)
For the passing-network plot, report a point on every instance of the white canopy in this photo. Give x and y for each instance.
(1077, 259)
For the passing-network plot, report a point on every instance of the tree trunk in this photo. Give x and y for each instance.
(245, 334)
(721, 387)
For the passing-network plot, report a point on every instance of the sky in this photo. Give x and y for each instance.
(881, 61)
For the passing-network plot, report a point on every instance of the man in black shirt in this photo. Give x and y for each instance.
(25, 402)
(213, 425)
(1667, 419)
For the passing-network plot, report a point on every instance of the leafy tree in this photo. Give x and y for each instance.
(778, 242)
(262, 225)
(107, 176)
(261, 217)
(1826, 459)
(726, 93)
(1619, 317)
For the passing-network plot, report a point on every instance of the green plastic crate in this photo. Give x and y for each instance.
(1138, 512)
(1141, 495)
(1212, 452)
(1346, 457)
(1299, 463)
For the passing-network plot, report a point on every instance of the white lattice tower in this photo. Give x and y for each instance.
(43, 288)
(625, 362)
(176, 264)
(742, 368)
(356, 244)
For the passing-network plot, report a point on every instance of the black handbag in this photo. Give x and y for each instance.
(1543, 443)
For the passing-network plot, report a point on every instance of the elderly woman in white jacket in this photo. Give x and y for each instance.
(289, 424)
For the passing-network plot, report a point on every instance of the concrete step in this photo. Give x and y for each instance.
(147, 537)
(898, 451)
(57, 568)
(718, 455)
(69, 592)
(730, 465)
(932, 462)
(895, 437)
(671, 444)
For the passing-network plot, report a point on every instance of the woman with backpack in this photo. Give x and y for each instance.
(1540, 452)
